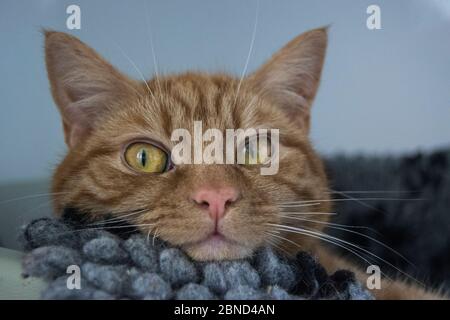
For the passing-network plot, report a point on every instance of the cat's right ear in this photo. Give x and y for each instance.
(291, 77)
(83, 84)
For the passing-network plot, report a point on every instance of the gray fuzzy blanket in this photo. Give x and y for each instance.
(418, 227)
(113, 267)
(138, 268)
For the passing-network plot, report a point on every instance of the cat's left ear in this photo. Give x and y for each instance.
(291, 77)
(84, 85)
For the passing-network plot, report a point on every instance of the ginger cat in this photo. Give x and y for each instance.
(118, 133)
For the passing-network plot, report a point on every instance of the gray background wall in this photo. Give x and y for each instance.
(383, 91)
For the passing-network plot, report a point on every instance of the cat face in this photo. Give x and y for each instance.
(119, 136)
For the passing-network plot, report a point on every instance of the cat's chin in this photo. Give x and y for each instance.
(216, 248)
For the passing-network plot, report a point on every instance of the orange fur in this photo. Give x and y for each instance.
(103, 109)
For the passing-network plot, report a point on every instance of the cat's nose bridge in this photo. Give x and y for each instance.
(215, 200)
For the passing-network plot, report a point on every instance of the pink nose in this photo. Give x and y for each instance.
(216, 201)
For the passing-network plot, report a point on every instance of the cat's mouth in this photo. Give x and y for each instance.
(216, 246)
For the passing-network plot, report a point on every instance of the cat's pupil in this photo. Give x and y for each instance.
(142, 157)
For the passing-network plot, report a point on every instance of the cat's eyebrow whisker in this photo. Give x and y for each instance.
(250, 50)
(152, 47)
(343, 227)
(137, 70)
(325, 237)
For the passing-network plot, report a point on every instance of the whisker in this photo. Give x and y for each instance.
(276, 244)
(300, 231)
(244, 72)
(301, 202)
(287, 240)
(289, 215)
(342, 227)
(137, 70)
(32, 196)
(293, 229)
(371, 191)
(128, 226)
(148, 235)
(308, 213)
(117, 218)
(359, 201)
(288, 205)
(154, 236)
(152, 47)
(99, 228)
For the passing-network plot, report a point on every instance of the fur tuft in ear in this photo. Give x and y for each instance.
(83, 84)
(291, 77)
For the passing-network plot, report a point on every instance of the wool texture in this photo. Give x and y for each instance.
(417, 226)
(135, 267)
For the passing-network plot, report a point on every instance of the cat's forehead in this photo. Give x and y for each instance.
(182, 102)
(218, 101)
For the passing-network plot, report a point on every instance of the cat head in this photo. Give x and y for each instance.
(119, 130)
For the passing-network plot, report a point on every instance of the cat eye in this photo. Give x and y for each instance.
(257, 151)
(146, 157)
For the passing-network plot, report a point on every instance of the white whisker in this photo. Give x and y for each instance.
(32, 196)
(154, 236)
(357, 200)
(148, 235)
(102, 228)
(343, 228)
(305, 233)
(301, 202)
(117, 218)
(300, 205)
(293, 229)
(152, 46)
(371, 191)
(120, 227)
(287, 240)
(308, 213)
(274, 243)
(137, 70)
(244, 72)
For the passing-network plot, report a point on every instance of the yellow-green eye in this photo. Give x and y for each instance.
(257, 152)
(146, 157)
